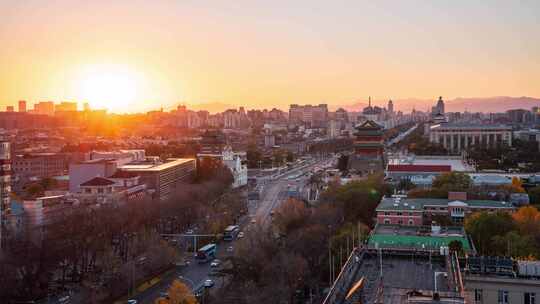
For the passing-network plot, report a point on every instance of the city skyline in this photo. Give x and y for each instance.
(260, 55)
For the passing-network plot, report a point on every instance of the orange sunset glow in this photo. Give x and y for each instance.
(129, 56)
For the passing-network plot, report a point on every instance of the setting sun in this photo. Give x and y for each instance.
(109, 86)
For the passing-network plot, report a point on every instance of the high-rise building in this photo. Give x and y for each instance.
(66, 106)
(390, 107)
(333, 129)
(438, 109)
(5, 185)
(10, 109)
(342, 115)
(44, 108)
(311, 116)
(22, 106)
(86, 107)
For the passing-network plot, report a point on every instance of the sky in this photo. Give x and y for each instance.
(131, 56)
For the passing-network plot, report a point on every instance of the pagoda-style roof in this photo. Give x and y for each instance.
(368, 125)
(369, 128)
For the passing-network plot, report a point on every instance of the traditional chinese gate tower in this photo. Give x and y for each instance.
(368, 157)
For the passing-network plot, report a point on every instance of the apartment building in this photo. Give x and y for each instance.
(311, 116)
(40, 165)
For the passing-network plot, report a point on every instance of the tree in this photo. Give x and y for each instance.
(212, 168)
(343, 162)
(179, 293)
(48, 183)
(290, 215)
(254, 157)
(406, 184)
(517, 185)
(427, 193)
(456, 246)
(452, 181)
(528, 220)
(290, 156)
(34, 190)
(515, 245)
(483, 226)
(534, 195)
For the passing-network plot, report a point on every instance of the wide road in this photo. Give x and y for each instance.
(275, 192)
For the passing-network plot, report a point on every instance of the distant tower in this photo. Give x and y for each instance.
(86, 107)
(22, 106)
(390, 106)
(440, 106)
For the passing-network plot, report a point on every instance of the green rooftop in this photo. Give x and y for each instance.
(414, 241)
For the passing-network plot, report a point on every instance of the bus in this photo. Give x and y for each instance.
(206, 253)
(230, 233)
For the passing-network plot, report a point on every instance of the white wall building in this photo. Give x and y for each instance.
(233, 161)
(457, 137)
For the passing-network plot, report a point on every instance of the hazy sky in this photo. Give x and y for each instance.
(144, 54)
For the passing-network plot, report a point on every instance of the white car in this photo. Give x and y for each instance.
(208, 283)
(240, 234)
(215, 263)
(132, 301)
(230, 249)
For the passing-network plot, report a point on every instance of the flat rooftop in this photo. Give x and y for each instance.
(419, 204)
(151, 167)
(421, 238)
(400, 276)
(456, 164)
(467, 126)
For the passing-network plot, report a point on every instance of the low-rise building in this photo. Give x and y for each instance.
(502, 280)
(40, 165)
(163, 178)
(400, 210)
(81, 172)
(457, 137)
(119, 188)
(233, 161)
(420, 175)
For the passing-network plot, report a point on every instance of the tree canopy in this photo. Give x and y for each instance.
(452, 181)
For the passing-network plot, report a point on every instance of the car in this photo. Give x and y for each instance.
(208, 283)
(215, 263)
(190, 231)
(141, 260)
(132, 301)
(164, 294)
(253, 221)
(230, 249)
(240, 235)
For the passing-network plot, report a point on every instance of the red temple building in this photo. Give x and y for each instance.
(368, 157)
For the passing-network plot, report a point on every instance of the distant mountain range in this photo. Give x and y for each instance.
(460, 104)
